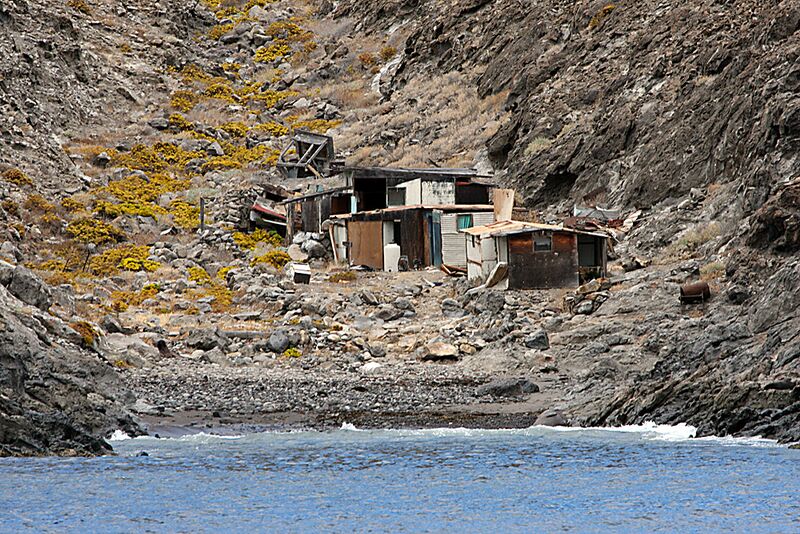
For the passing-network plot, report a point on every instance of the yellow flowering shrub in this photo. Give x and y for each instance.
(17, 177)
(184, 214)
(275, 258)
(199, 275)
(156, 158)
(122, 300)
(125, 257)
(179, 122)
(236, 129)
(268, 54)
(250, 241)
(273, 128)
(94, 231)
(184, 100)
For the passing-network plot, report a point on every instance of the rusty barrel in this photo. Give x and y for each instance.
(695, 292)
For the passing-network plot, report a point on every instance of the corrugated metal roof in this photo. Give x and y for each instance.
(458, 208)
(498, 226)
(504, 228)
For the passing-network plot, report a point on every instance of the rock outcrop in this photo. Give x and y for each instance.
(55, 397)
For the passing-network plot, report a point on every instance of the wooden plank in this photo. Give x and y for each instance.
(503, 200)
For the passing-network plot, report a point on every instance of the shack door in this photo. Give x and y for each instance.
(366, 243)
(434, 219)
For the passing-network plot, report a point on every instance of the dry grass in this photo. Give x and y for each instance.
(440, 121)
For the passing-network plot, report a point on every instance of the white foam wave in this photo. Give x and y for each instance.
(202, 437)
(119, 435)
(755, 441)
(649, 430)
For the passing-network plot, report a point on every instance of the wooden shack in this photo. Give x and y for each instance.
(361, 237)
(306, 213)
(539, 256)
(309, 155)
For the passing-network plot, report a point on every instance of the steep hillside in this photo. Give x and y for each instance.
(643, 100)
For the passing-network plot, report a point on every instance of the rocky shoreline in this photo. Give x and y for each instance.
(402, 396)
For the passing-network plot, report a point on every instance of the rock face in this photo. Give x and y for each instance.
(508, 387)
(29, 288)
(648, 86)
(55, 398)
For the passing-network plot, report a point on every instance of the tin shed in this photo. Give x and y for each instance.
(539, 256)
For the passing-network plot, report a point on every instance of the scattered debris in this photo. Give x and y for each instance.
(299, 273)
(587, 298)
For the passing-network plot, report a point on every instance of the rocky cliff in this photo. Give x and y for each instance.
(56, 397)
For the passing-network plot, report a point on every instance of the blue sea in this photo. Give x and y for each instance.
(634, 479)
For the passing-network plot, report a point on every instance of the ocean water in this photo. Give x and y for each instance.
(633, 479)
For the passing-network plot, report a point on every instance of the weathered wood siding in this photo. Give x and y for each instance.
(413, 241)
(538, 270)
(311, 215)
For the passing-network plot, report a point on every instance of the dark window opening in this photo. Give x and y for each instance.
(542, 243)
(464, 221)
(396, 232)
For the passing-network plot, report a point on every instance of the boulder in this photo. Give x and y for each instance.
(440, 350)
(121, 349)
(402, 303)
(508, 387)
(551, 418)
(278, 341)
(296, 253)
(369, 297)
(537, 340)
(387, 312)
(111, 325)
(206, 339)
(376, 350)
(6, 273)
(451, 308)
(585, 307)
(313, 248)
(30, 289)
(370, 367)
(218, 357)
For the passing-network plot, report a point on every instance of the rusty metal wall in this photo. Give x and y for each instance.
(541, 270)
(366, 243)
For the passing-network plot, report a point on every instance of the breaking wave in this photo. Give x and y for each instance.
(648, 431)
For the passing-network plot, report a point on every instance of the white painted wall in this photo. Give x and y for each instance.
(339, 237)
(482, 218)
(473, 252)
(388, 233)
(413, 192)
(437, 193)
